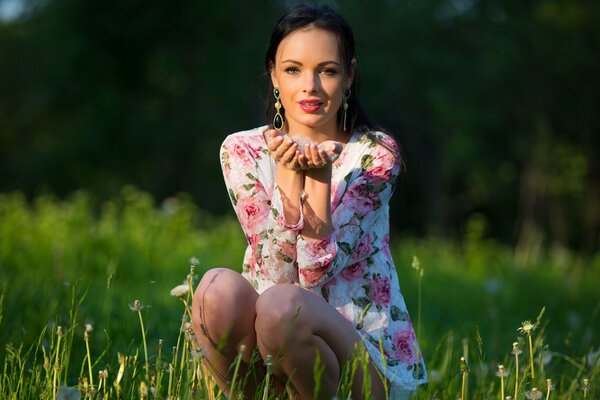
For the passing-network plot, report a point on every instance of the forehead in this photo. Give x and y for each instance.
(309, 43)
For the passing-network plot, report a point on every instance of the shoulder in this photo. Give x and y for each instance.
(253, 137)
(248, 147)
(381, 145)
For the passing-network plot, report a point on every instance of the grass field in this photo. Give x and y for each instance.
(70, 263)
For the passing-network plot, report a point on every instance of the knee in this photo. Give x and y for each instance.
(279, 314)
(222, 304)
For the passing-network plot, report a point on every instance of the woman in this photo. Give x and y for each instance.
(311, 192)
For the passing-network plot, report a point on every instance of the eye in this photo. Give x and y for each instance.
(329, 71)
(292, 70)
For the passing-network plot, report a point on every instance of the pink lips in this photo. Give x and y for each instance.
(310, 106)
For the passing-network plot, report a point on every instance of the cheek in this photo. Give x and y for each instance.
(334, 92)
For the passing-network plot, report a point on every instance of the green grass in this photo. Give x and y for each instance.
(71, 263)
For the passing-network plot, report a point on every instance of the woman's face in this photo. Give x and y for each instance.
(308, 73)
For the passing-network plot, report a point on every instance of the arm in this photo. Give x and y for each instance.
(317, 189)
(270, 231)
(364, 202)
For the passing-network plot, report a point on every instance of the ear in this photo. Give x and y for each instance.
(274, 79)
(350, 75)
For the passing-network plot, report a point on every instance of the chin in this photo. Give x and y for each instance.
(313, 122)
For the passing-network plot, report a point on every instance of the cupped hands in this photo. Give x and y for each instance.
(301, 154)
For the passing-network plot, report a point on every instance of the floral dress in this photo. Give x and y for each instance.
(351, 269)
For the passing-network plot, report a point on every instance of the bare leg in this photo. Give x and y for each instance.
(293, 324)
(223, 315)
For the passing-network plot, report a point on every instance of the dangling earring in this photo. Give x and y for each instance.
(346, 96)
(278, 119)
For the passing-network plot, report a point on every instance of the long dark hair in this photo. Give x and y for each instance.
(323, 17)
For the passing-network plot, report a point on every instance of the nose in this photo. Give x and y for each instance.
(312, 83)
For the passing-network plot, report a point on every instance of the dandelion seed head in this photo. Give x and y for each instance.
(180, 290)
(103, 374)
(59, 330)
(526, 327)
(194, 261)
(516, 348)
(199, 352)
(187, 327)
(88, 328)
(502, 372)
(549, 384)
(242, 348)
(137, 306)
(534, 394)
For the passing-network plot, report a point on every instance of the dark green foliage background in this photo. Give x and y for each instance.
(492, 101)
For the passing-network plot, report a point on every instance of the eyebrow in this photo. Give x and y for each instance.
(320, 64)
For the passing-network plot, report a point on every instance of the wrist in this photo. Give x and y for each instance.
(322, 175)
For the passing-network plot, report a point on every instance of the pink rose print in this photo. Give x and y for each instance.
(320, 247)
(254, 241)
(380, 290)
(252, 211)
(405, 343)
(362, 250)
(254, 146)
(361, 199)
(354, 271)
(288, 249)
(385, 244)
(241, 153)
(381, 171)
(258, 186)
(313, 275)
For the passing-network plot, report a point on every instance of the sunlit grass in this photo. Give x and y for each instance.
(68, 266)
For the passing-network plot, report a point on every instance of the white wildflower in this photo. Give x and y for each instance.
(180, 290)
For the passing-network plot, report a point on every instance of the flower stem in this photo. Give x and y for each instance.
(238, 360)
(146, 366)
(531, 358)
(56, 375)
(89, 359)
(268, 377)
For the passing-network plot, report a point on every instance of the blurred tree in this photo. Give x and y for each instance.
(492, 101)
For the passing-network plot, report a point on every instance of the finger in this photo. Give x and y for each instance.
(311, 161)
(284, 146)
(274, 143)
(273, 133)
(316, 158)
(336, 148)
(291, 152)
(324, 157)
(294, 164)
(302, 161)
